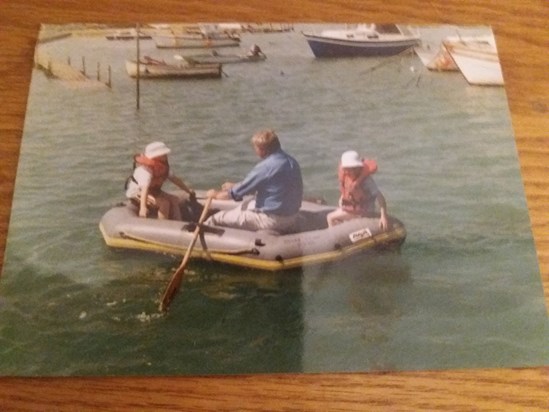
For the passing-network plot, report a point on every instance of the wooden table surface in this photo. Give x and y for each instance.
(522, 34)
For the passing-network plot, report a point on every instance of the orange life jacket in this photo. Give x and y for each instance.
(159, 168)
(354, 198)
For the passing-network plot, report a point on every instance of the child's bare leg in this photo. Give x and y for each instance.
(174, 207)
(163, 207)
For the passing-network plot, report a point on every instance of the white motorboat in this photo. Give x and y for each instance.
(477, 59)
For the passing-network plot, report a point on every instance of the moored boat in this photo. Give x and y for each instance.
(477, 59)
(437, 59)
(154, 69)
(127, 35)
(196, 40)
(253, 55)
(364, 40)
(312, 241)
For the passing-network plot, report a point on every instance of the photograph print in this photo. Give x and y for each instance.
(235, 198)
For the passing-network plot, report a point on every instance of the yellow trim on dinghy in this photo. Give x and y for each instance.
(239, 260)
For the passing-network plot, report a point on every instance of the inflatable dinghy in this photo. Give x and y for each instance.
(311, 241)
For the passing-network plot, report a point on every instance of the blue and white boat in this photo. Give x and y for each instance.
(363, 40)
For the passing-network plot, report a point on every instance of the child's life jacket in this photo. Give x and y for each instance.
(158, 167)
(354, 198)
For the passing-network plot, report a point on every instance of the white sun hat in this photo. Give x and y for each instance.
(351, 159)
(156, 149)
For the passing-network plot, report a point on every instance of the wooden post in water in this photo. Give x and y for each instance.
(109, 80)
(137, 77)
(83, 65)
(98, 71)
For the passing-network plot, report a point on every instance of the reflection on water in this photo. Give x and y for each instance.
(237, 283)
(352, 309)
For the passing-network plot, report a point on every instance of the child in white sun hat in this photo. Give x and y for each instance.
(359, 192)
(144, 187)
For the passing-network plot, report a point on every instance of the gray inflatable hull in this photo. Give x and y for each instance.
(312, 243)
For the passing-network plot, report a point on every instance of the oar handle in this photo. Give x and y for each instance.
(177, 277)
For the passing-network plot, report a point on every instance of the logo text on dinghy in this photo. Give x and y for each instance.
(360, 234)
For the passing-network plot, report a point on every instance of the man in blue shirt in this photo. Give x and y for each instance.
(275, 180)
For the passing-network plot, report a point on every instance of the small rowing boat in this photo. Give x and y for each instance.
(311, 241)
(194, 41)
(157, 69)
(127, 35)
(253, 55)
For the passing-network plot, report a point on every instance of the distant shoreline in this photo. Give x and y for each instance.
(51, 32)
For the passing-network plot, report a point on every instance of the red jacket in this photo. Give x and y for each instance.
(159, 168)
(354, 198)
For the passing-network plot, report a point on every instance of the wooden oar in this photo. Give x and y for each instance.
(175, 281)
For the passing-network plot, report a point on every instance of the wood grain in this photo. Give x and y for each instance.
(522, 37)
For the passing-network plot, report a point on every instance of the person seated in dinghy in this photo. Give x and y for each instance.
(359, 192)
(277, 183)
(144, 186)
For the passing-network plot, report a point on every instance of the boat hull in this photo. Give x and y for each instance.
(438, 60)
(167, 71)
(477, 61)
(127, 37)
(223, 59)
(331, 47)
(188, 42)
(122, 228)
